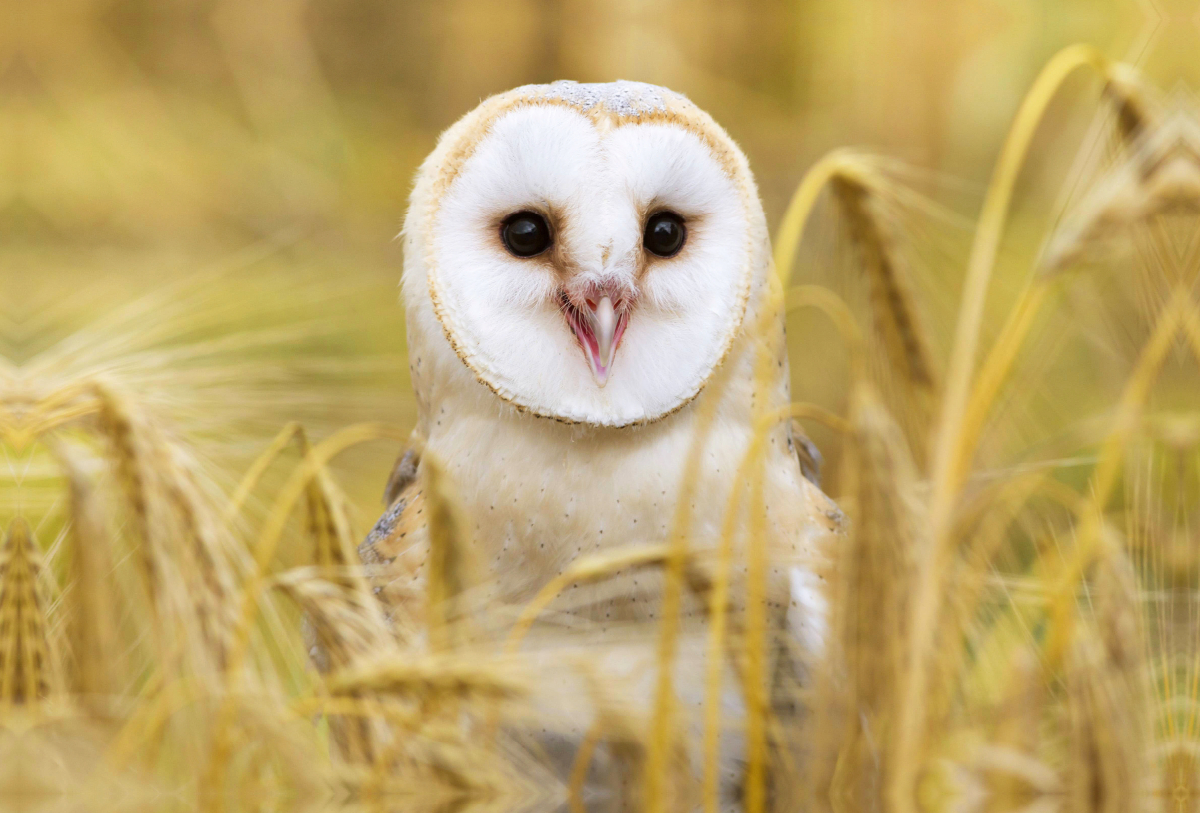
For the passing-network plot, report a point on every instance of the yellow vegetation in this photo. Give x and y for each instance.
(1013, 619)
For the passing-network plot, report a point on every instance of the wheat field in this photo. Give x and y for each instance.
(1013, 433)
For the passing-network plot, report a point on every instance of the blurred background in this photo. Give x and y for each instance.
(198, 208)
(252, 160)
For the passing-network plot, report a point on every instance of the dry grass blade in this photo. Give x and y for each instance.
(263, 462)
(585, 569)
(326, 519)
(30, 670)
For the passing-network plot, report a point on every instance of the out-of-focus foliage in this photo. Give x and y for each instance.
(142, 142)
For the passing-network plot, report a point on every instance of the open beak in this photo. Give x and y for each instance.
(599, 328)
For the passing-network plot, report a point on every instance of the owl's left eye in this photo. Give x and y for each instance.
(525, 234)
(664, 234)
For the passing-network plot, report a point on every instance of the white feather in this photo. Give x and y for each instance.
(502, 311)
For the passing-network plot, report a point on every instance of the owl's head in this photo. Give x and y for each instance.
(587, 249)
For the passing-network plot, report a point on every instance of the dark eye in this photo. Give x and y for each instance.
(664, 234)
(525, 234)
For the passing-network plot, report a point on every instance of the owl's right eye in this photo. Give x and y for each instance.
(525, 234)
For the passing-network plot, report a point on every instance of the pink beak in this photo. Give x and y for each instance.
(599, 328)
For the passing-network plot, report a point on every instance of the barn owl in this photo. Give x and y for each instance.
(583, 265)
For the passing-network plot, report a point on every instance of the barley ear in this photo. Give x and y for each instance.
(119, 426)
(894, 308)
(1018, 778)
(205, 565)
(877, 564)
(30, 670)
(1162, 177)
(344, 627)
(1116, 603)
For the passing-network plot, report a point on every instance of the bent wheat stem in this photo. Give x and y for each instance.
(260, 466)
(833, 306)
(804, 199)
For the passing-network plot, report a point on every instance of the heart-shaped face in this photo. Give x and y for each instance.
(589, 264)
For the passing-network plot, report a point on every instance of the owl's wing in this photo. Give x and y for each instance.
(394, 552)
(807, 617)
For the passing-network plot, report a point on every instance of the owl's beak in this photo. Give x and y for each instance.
(599, 332)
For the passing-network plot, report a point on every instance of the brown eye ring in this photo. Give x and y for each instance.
(665, 234)
(525, 234)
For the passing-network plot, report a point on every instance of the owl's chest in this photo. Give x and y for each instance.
(542, 494)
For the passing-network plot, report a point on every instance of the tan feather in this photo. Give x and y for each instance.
(404, 473)
(394, 556)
